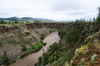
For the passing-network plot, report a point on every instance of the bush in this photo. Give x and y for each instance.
(32, 49)
(5, 59)
(43, 36)
(24, 47)
(61, 33)
(72, 36)
(98, 20)
(35, 64)
(40, 61)
(44, 43)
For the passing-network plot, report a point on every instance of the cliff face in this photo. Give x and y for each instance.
(4, 29)
(12, 37)
(48, 25)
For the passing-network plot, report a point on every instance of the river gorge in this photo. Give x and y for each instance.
(31, 59)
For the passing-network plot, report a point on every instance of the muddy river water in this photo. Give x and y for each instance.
(31, 59)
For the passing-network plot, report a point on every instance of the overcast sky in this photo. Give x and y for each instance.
(50, 9)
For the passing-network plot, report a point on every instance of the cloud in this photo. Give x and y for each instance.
(67, 5)
(50, 9)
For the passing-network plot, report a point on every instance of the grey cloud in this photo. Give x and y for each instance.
(52, 9)
(2, 13)
(67, 5)
(77, 13)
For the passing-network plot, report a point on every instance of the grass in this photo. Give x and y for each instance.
(39, 44)
(66, 57)
(32, 49)
(89, 57)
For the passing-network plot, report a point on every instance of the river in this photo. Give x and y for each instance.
(31, 59)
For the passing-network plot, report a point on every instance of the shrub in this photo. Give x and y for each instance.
(32, 49)
(40, 61)
(35, 64)
(81, 49)
(93, 58)
(72, 36)
(85, 51)
(24, 47)
(43, 36)
(98, 20)
(44, 43)
(50, 31)
(5, 59)
(82, 61)
(89, 45)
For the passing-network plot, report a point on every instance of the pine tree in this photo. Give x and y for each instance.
(5, 59)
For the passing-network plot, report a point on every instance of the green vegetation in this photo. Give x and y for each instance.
(71, 35)
(75, 35)
(2, 22)
(50, 56)
(5, 59)
(82, 61)
(93, 59)
(98, 20)
(68, 54)
(35, 64)
(24, 47)
(43, 36)
(33, 48)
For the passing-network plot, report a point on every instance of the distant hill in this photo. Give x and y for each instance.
(24, 19)
(40, 19)
(10, 19)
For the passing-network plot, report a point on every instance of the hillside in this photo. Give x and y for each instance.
(82, 45)
(24, 19)
(79, 41)
(13, 38)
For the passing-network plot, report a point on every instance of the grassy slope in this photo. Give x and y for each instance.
(87, 54)
(69, 53)
(83, 52)
(87, 51)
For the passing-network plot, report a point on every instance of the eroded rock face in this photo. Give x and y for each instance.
(4, 29)
(48, 25)
(13, 51)
(12, 37)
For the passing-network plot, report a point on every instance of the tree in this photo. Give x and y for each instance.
(35, 64)
(94, 19)
(40, 61)
(98, 20)
(5, 59)
(24, 47)
(16, 21)
(73, 36)
(2, 22)
(45, 56)
(54, 47)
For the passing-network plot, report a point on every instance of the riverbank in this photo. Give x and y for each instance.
(12, 42)
(31, 59)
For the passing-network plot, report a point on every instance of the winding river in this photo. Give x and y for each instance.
(31, 59)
